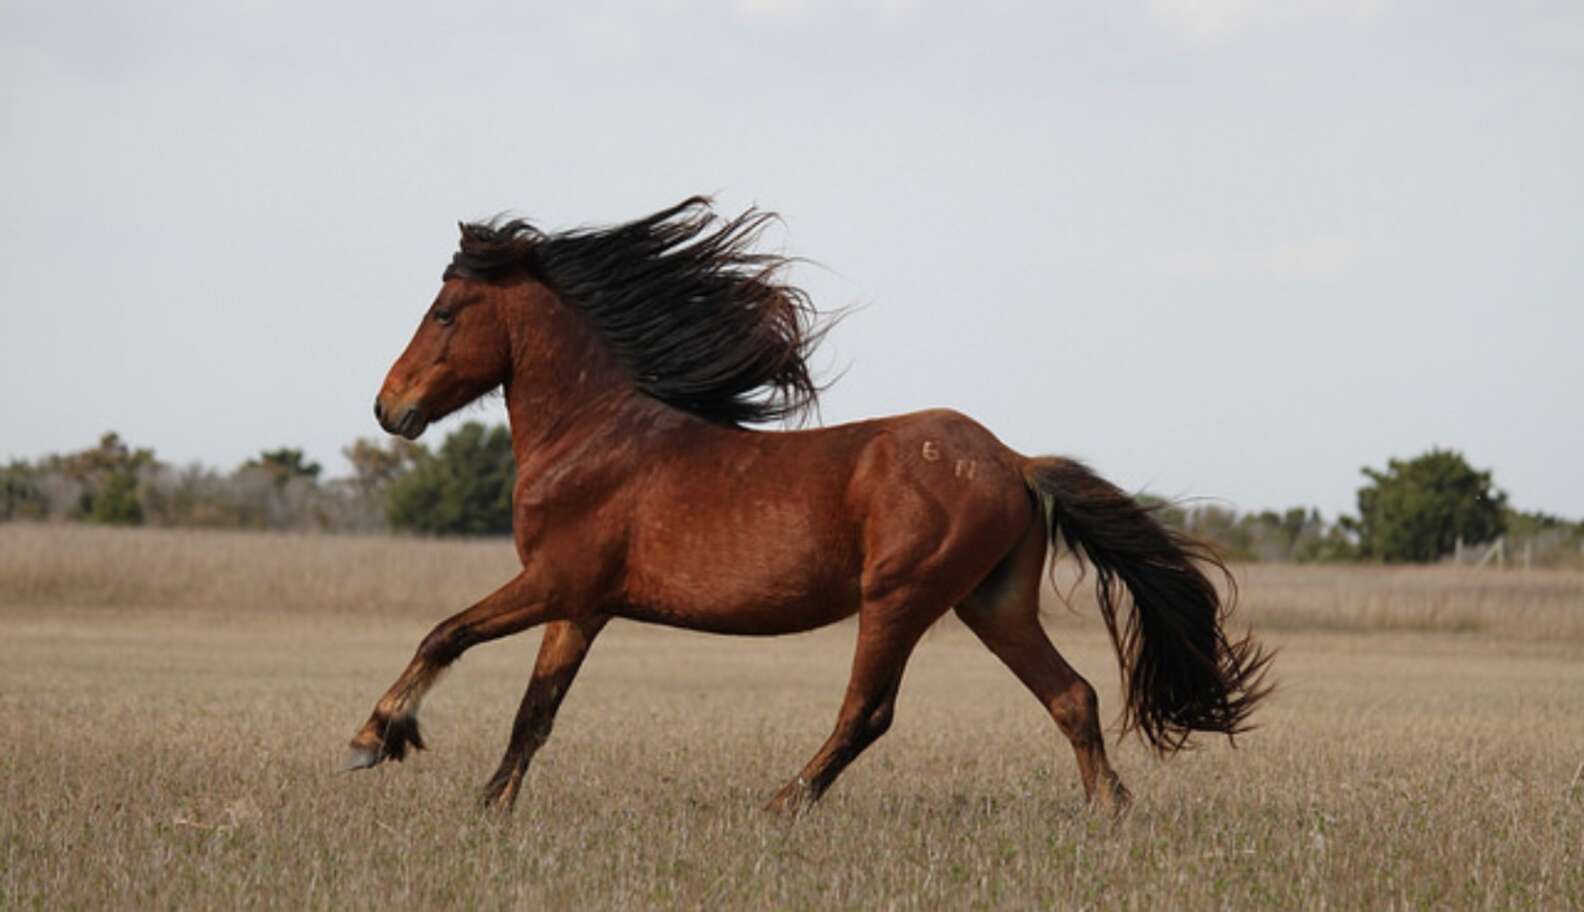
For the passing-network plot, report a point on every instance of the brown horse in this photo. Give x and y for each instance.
(631, 357)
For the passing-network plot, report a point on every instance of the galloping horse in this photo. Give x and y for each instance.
(631, 359)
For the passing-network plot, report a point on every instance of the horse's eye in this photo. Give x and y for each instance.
(444, 317)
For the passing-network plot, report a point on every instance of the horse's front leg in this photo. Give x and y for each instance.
(561, 653)
(393, 726)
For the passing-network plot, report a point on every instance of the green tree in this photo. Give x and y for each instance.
(1416, 510)
(116, 502)
(465, 489)
(109, 474)
(20, 495)
(285, 464)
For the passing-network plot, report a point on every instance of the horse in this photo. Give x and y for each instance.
(634, 359)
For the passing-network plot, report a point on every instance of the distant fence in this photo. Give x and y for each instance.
(1546, 549)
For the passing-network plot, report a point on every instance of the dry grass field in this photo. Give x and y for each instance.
(172, 705)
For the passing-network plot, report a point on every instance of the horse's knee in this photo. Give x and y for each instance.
(442, 646)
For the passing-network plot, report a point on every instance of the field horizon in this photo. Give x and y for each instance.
(175, 703)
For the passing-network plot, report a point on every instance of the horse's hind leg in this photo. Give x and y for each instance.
(560, 655)
(884, 644)
(1004, 613)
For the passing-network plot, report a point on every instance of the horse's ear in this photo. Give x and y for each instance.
(462, 230)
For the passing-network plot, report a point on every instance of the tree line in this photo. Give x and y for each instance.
(1416, 510)
(462, 488)
(1419, 510)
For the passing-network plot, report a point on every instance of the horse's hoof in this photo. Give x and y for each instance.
(794, 800)
(382, 739)
(500, 794)
(359, 758)
(499, 802)
(1113, 801)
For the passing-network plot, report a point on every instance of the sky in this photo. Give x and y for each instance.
(1217, 248)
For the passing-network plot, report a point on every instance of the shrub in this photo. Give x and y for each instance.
(465, 489)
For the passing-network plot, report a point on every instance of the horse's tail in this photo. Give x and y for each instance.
(1180, 673)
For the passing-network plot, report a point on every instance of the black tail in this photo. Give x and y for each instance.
(1180, 673)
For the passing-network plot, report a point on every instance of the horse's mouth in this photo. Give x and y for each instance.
(409, 424)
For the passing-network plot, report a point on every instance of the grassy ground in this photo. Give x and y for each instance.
(171, 705)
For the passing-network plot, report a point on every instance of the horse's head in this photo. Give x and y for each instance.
(677, 307)
(459, 353)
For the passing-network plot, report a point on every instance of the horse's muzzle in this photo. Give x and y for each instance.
(408, 422)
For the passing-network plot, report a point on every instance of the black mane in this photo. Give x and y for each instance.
(697, 316)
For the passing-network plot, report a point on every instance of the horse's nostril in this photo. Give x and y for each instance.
(379, 412)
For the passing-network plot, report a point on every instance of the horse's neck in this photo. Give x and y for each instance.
(563, 376)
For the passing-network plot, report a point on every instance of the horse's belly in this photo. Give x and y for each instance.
(773, 578)
(742, 619)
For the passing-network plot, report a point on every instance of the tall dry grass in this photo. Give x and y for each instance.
(1543, 606)
(87, 568)
(171, 704)
(81, 568)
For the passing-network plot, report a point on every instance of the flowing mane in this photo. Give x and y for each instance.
(699, 318)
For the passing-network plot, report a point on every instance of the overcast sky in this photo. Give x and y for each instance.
(1219, 248)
